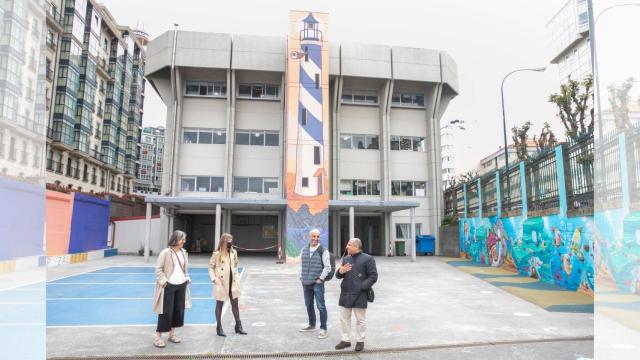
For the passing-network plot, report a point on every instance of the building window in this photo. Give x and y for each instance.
(258, 185)
(359, 187)
(402, 231)
(204, 136)
(353, 141)
(258, 91)
(351, 96)
(316, 155)
(201, 183)
(407, 99)
(257, 138)
(407, 143)
(408, 188)
(305, 182)
(206, 88)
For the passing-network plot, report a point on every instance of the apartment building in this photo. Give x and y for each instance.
(95, 96)
(151, 158)
(495, 161)
(229, 146)
(569, 32)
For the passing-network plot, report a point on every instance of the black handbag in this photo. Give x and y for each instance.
(370, 295)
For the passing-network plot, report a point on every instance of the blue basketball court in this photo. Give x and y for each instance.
(121, 296)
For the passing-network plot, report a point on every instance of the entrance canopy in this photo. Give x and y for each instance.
(209, 203)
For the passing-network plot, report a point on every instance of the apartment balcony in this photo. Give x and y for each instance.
(54, 17)
(94, 179)
(54, 166)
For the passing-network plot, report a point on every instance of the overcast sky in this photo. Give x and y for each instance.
(487, 39)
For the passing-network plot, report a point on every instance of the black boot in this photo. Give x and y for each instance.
(219, 330)
(239, 328)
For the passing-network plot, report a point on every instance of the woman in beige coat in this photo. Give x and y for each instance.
(223, 271)
(172, 293)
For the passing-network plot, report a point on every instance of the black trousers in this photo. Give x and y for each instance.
(173, 308)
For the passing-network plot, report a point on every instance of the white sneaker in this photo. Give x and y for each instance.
(323, 334)
(308, 329)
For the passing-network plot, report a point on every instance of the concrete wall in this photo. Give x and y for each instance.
(128, 235)
(58, 222)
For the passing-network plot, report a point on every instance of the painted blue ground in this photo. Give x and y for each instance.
(121, 296)
(22, 322)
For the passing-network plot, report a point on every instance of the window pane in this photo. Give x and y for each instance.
(192, 88)
(347, 98)
(240, 184)
(244, 90)
(217, 184)
(271, 139)
(270, 186)
(203, 89)
(395, 99)
(405, 99)
(395, 143)
(316, 155)
(255, 185)
(420, 100)
(242, 138)
(369, 188)
(375, 187)
(395, 188)
(345, 142)
(219, 137)
(362, 187)
(204, 137)
(359, 141)
(418, 229)
(346, 187)
(257, 90)
(257, 138)
(190, 137)
(405, 143)
(418, 144)
(359, 98)
(420, 188)
(202, 183)
(272, 90)
(186, 184)
(406, 188)
(402, 231)
(372, 142)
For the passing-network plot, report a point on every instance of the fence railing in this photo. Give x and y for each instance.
(633, 169)
(607, 174)
(542, 182)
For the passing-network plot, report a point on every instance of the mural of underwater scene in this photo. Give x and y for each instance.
(553, 249)
(617, 249)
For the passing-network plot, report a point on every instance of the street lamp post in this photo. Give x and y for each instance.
(504, 131)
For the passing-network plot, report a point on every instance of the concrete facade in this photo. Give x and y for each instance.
(385, 109)
(569, 31)
(149, 179)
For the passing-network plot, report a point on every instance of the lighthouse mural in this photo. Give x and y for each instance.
(307, 131)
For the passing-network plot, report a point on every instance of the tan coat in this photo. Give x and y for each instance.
(219, 274)
(164, 269)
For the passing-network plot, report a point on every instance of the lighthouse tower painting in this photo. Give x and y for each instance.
(307, 134)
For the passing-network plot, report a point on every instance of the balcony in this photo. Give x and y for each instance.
(54, 166)
(54, 16)
(49, 74)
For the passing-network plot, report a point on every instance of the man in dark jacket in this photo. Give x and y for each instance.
(358, 273)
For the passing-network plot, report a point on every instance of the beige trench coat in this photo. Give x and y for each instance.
(164, 269)
(219, 274)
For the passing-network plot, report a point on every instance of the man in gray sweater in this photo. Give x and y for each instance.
(315, 266)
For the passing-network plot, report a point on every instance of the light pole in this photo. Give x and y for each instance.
(594, 58)
(504, 130)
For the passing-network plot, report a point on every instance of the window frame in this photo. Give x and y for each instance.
(207, 86)
(263, 88)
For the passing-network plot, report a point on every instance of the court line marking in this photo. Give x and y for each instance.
(22, 303)
(117, 283)
(23, 324)
(80, 273)
(120, 325)
(119, 298)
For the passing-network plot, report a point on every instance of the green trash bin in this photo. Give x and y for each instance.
(400, 248)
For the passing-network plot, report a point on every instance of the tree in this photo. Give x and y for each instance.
(575, 104)
(547, 139)
(619, 101)
(468, 176)
(520, 136)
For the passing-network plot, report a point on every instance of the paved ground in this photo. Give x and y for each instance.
(423, 304)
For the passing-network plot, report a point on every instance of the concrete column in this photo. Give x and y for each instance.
(387, 234)
(464, 192)
(281, 253)
(218, 218)
(352, 225)
(335, 233)
(498, 196)
(412, 233)
(335, 136)
(523, 189)
(562, 186)
(385, 139)
(147, 232)
(339, 247)
(624, 172)
(479, 197)
(231, 117)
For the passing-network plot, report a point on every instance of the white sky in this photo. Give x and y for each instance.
(487, 39)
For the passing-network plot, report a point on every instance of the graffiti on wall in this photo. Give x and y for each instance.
(553, 249)
(617, 248)
(307, 150)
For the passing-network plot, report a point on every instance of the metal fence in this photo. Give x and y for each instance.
(542, 187)
(489, 199)
(633, 169)
(579, 177)
(608, 175)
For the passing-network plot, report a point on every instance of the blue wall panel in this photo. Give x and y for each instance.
(89, 224)
(22, 216)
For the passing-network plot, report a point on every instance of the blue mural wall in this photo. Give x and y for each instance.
(89, 224)
(554, 249)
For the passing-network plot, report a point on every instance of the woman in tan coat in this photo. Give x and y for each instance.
(172, 293)
(223, 271)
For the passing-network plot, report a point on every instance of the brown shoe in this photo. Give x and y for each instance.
(343, 345)
(359, 346)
